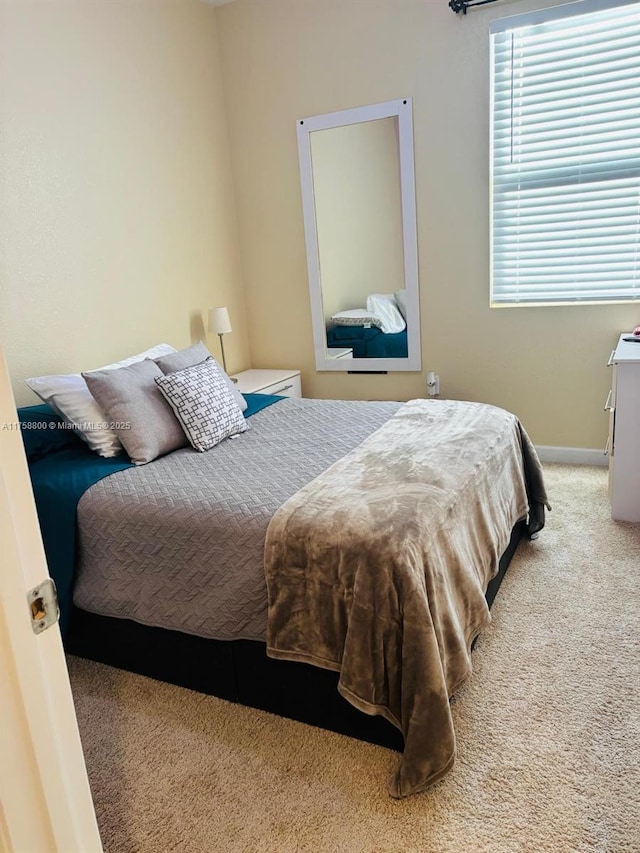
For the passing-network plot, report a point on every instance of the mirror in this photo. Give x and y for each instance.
(358, 195)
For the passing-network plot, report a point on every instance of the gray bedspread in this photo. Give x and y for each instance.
(179, 543)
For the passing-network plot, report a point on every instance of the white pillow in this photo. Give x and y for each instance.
(356, 317)
(384, 306)
(69, 396)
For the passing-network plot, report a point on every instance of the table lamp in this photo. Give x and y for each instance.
(219, 324)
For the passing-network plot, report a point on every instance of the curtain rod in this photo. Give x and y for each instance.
(461, 6)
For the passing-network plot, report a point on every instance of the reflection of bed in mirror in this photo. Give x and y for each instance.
(377, 331)
(367, 341)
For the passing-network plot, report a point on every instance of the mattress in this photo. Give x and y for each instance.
(179, 543)
(368, 342)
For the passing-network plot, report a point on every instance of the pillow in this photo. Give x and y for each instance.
(356, 317)
(203, 403)
(401, 301)
(132, 402)
(383, 305)
(196, 354)
(69, 397)
(43, 432)
(183, 358)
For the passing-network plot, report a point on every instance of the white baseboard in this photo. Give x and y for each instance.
(573, 456)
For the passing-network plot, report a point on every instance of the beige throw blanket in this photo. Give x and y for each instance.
(378, 567)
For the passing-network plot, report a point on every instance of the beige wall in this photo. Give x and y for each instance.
(356, 189)
(118, 220)
(117, 208)
(284, 59)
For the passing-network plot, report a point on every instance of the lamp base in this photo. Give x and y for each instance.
(224, 360)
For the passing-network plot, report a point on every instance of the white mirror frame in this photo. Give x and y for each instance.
(402, 109)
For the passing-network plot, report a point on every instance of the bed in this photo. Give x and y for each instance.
(166, 561)
(368, 341)
(379, 330)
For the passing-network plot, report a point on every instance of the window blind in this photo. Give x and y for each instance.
(565, 156)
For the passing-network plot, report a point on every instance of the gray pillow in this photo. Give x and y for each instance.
(141, 417)
(401, 302)
(196, 354)
(203, 404)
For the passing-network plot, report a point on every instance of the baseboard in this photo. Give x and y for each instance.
(573, 456)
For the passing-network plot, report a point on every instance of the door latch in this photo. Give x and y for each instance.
(43, 606)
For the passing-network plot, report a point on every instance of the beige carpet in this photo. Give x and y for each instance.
(548, 730)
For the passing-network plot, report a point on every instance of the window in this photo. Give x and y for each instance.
(565, 155)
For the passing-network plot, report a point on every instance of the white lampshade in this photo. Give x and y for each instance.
(219, 322)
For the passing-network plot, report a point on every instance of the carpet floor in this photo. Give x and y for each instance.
(548, 730)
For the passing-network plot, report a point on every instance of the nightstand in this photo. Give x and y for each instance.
(336, 352)
(284, 383)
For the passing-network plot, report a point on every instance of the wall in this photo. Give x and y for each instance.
(356, 188)
(285, 59)
(118, 220)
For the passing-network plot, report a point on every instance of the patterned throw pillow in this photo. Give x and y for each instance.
(196, 354)
(203, 403)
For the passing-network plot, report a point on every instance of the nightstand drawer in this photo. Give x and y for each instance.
(284, 383)
(287, 388)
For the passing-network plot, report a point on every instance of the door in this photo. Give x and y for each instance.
(44, 790)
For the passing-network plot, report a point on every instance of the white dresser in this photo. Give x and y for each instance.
(623, 444)
(285, 383)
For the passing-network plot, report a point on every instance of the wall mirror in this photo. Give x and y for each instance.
(358, 196)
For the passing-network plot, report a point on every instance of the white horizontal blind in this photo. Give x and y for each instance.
(565, 150)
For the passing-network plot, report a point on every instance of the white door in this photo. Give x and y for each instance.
(44, 791)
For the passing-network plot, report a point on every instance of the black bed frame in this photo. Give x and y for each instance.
(239, 670)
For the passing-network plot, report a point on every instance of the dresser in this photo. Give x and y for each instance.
(285, 383)
(623, 444)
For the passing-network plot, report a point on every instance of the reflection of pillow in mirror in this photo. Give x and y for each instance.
(356, 317)
(383, 305)
(401, 301)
